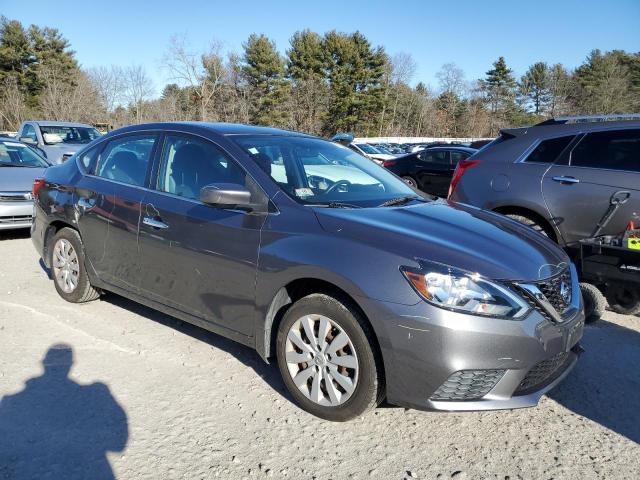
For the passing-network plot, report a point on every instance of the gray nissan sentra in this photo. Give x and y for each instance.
(360, 287)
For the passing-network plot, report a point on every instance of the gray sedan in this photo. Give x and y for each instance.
(19, 167)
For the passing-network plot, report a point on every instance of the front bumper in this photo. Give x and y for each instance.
(424, 346)
(16, 215)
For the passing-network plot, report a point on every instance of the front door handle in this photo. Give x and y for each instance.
(563, 179)
(152, 222)
(86, 203)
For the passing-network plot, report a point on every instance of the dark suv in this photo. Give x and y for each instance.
(558, 176)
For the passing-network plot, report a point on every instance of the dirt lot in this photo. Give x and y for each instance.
(150, 397)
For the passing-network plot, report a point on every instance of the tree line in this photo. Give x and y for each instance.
(323, 84)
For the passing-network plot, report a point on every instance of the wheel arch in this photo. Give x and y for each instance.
(287, 295)
(53, 228)
(533, 215)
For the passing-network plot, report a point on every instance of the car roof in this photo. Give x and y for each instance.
(554, 129)
(225, 129)
(52, 123)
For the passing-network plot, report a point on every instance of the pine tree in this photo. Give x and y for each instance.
(535, 86)
(499, 88)
(354, 71)
(264, 70)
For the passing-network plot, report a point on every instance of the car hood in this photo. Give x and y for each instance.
(55, 152)
(459, 236)
(18, 179)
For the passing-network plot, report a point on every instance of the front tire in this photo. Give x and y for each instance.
(328, 359)
(594, 302)
(68, 267)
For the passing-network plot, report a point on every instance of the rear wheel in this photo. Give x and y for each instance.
(327, 359)
(68, 268)
(594, 302)
(530, 222)
(623, 299)
(410, 181)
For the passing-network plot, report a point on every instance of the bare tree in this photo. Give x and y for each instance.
(109, 84)
(137, 88)
(204, 74)
(13, 105)
(68, 98)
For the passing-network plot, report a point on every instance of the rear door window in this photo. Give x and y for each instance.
(437, 157)
(548, 151)
(457, 155)
(613, 150)
(126, 159)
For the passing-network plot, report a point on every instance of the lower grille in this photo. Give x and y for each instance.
(542, 374)
(468, 385)
(15, 219)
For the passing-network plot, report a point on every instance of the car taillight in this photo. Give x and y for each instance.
(37, 185)
(463, 166)
(389, 163)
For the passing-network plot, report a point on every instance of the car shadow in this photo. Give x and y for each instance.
(604, 385)
(15, 234)
(269, 372)
(57, 428)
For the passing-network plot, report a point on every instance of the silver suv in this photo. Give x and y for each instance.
(558, 176)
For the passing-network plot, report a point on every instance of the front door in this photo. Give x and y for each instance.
(197, 258)
(578, 193)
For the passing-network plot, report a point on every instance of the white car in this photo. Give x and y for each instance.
(371, 152)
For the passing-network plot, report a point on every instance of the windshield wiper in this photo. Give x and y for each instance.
(333, 205)
(401, 201)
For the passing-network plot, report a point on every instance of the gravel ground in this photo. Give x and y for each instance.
(148, 396)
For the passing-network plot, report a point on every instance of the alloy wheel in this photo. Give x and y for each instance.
(66, 268)
(321, 360)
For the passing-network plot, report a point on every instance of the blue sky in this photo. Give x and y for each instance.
(471, 34)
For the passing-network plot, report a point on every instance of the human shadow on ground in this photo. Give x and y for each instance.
(269, 372)
(604, 386)
(56, 428)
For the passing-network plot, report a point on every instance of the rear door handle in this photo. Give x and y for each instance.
(563, 179)
(152, 222)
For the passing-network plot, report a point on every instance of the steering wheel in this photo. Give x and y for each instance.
(339, 183)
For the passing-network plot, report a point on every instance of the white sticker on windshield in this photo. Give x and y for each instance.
(304, 192)
(253, 151)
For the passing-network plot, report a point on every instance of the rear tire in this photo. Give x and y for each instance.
(530, 222)
(337, 374)
(594, 302)
(410, 181)
(68, 267)
(623, 300)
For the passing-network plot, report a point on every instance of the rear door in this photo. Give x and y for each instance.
(109, 205)
(434, 171)
(578, 190)
(197, 258)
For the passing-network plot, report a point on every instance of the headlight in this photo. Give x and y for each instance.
(465, 292)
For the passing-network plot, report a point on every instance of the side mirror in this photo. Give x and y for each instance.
(226, 195)
(28, 140)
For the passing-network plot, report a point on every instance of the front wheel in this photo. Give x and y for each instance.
(68, 267)
(327, 358)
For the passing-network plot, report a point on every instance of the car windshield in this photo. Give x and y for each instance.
(14, 154)
(366, 148)
(314, 171)
(53, 134)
